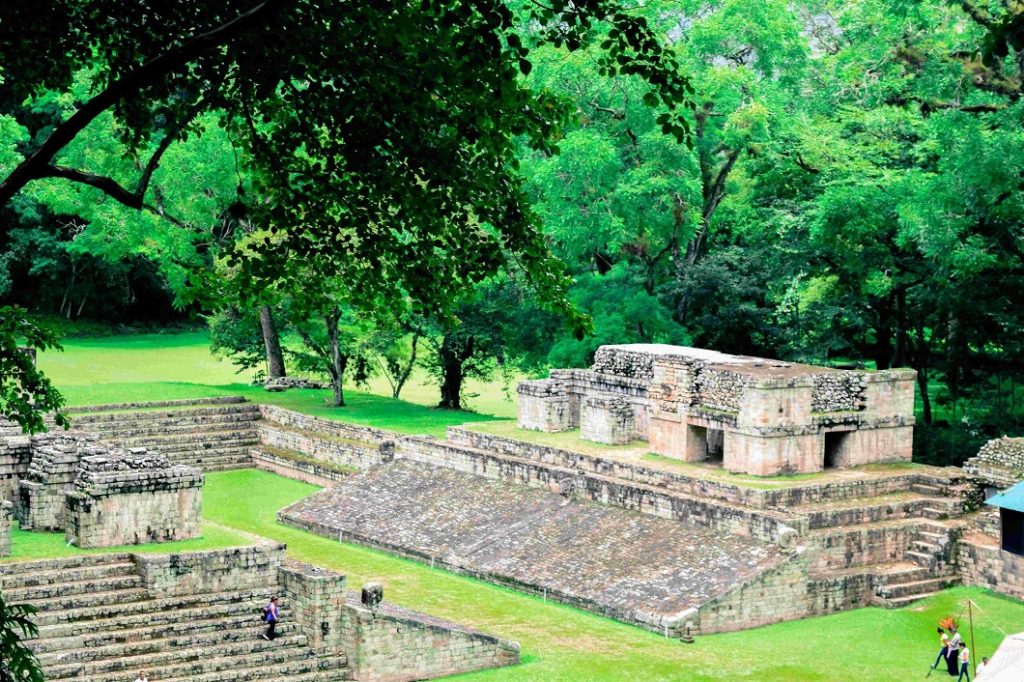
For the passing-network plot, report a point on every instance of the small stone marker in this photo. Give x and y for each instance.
(372, 595)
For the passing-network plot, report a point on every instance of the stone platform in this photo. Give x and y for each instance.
(640, 569)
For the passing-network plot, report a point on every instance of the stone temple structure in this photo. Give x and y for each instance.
(130, 497)
(754, 415)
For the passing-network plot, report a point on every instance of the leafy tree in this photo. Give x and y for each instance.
(25, 394)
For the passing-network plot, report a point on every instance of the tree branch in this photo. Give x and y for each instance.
(36, 165)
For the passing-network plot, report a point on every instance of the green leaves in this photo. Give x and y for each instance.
(17, 662)
(25, 394)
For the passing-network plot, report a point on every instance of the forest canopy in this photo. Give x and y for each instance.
(484, 185)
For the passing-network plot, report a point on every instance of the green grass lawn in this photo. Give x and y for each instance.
(118, 369)
(30, 545)
(562, 643)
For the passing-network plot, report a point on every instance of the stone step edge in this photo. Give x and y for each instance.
(159, 604)
(174, 641)
(110, 407)
(266, 672)
(290, 644)
(142, 632)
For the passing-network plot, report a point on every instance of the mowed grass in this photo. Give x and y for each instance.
(31, 546)
(562, 643)
(143, 367)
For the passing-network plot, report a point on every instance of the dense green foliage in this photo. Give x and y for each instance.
(850, 189)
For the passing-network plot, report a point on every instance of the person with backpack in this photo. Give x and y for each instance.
(271, 616)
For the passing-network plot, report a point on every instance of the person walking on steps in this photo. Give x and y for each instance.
(965, 664)
(270, 615)
(944, 647)
(143, 677)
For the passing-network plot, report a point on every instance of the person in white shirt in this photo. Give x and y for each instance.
(981, 667)
(143, 677)
(965, 664)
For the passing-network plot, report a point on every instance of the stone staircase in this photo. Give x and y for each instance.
(97, 624)
(212, 437)
(899, 543)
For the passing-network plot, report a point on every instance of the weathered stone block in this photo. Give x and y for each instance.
(607, 419)
(6, 512)
(132, 497)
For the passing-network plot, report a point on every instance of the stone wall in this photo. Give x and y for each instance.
(219, 570)
(321, 439)
(384, 643)
(623, 363)
(15, 453)
(999, 462)
(607, 419)
(720, 389)
(982, 563)
(777, 594)
(544, 405)
(51, 474)
(6, 513)
(392, 644)
(788, 496)
(839, 392)
(317, 602)
(132, 497)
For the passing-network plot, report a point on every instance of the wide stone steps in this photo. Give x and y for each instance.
(133, 427)
(321, 669)
(183, 442)
(917, 588)
(164, 413)
(163, 611)
(67, 590)
(18, 568)
(188, 661)
(149, 626)
(215, 632)
(16, 581)
(89, 599)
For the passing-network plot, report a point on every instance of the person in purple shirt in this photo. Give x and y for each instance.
(271, 615)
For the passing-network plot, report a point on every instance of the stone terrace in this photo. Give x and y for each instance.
(581, 553)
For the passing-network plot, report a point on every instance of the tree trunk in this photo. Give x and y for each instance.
(403, 375)
(338, 360)
(926, 403)
(272, 344)
(452, 355)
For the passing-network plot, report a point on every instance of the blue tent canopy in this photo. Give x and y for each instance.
(1009, 499)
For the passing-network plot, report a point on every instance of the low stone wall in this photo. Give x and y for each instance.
(392, 644)
(219, 400)
(320, 439)
(219, 570)
(781, 498)
(384, 643)
(6, 513)
(981, 562)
